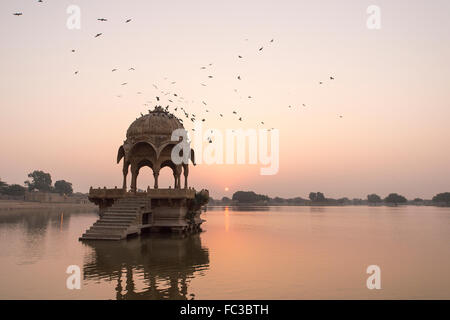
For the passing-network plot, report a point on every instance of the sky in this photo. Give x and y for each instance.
(381, 126)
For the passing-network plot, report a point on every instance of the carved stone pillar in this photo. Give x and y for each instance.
(156, 175)
(186, 173)
(134, 174)
(125, 173)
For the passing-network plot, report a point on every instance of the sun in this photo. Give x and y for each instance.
(226, 188)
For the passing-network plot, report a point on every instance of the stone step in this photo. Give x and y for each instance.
(119, 214)
(106, 232)
(112, 217)
(100, 237)
(112, 223)
(118, 209)
(118, 217)
(106, 227)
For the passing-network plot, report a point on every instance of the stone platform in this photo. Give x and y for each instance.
(125, 213)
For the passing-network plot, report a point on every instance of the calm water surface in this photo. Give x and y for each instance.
(256, 253)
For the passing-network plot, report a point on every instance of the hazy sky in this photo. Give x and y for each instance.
(391, 88)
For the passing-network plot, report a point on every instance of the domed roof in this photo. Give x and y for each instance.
(157, 122)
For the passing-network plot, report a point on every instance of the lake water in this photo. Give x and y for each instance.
(253, 253)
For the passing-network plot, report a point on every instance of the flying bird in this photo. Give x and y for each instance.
(125, 83)
(102, 19)
(98, 35)
(113, 70)
(331, 78)
(240, 57)
(128, 20)
(76, 72)
(260, 49)
(131, 69)
(239, 77)
(73, 50)
(17, 13)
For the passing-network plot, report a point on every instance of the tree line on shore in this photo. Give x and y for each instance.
(318, 198)
(39, 181)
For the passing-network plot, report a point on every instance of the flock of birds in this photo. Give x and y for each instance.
(179, 99)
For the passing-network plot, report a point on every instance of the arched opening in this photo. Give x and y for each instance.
(145, 175)
(166, 178)
(145, 178)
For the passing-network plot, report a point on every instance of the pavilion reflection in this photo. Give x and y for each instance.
(162, 264)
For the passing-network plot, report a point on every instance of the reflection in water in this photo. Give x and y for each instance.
(244, 208)
(163, 264)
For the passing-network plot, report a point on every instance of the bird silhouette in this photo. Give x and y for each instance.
(240, 57)
(98, 35)
(239, 77)
(125, 83)
(18, 13)
(76, 72)
(131, 69)
(331, 78)
(102, 19)
(260, 49)
(128, 20)
(113, 70)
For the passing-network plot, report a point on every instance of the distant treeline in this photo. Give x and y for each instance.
(40, 181)
(318, 198)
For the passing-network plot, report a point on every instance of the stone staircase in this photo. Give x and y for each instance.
(119, 220)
